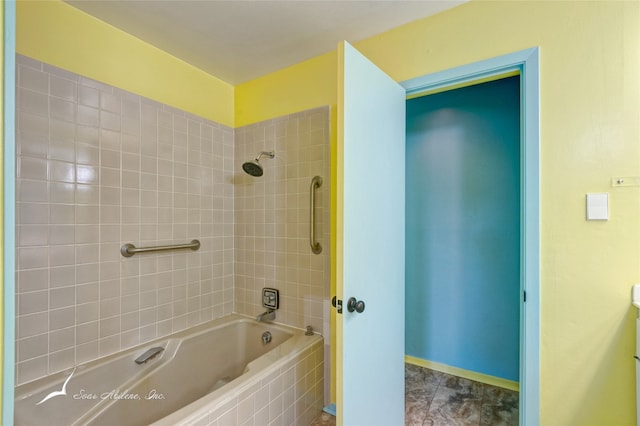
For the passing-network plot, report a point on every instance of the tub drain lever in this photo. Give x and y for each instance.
(148, 355)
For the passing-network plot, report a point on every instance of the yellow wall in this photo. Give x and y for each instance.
(297, 88)
(61, 35)
(590, 107)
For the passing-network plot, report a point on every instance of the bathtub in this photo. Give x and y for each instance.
(221, 372)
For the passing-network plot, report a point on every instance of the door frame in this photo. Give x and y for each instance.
(526, 63)
(7, 353)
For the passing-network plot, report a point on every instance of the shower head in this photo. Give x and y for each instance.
(254, 168)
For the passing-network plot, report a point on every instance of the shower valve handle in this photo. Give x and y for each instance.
(355, 305)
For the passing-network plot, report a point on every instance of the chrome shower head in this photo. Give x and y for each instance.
(254, 168)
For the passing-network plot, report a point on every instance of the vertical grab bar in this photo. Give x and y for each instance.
(316, 248)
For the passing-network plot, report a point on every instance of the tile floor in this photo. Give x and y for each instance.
(439, 399)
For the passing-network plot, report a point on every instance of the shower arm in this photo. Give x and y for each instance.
(269, 154)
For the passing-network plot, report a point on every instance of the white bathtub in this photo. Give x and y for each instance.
(217, 373)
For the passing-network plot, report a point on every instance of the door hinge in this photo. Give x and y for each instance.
(337, 303)
(524, 296)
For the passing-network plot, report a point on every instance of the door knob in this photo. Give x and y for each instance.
(355, 305)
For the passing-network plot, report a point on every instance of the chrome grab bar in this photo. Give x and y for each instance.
(128, 250)
(316, 247)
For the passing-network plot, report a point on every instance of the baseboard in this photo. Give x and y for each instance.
(466, 374)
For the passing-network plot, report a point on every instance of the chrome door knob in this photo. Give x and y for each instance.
(355, 305)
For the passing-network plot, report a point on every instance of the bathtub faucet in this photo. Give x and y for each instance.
(270, 315)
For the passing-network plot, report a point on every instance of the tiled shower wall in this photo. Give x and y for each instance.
(98, 167)
(272, 218)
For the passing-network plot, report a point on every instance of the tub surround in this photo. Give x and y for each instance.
(98, 167)
(272, 218)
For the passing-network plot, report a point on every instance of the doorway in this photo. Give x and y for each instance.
(463, 245)
(526, 64)
(463, 228)
(354, 125)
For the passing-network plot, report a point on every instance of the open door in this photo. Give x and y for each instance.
(369, 243)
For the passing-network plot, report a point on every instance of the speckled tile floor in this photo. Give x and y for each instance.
(439, 399)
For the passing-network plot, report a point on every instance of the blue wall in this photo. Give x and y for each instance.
(463, 228)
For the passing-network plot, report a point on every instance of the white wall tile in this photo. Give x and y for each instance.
(62, 109)
(61, 276)
(62, 214)
(32, 347)
(87, 351)
(90, 163)
(32, 369)
(63, 88)
(88, 313)
(32, 324)
(61, 255)
(33, 79)
(33, 257)
(110, 121)
(62, 192)
(33, 235)
(62, 234)
(32, 280)
(86, 174)
(33, 190)
(61, 319)
(88, 273)
(110, 102)
(33, 302)
(61, 171)
(88, 116)
(33, 102)
(271, 217)
(88, 96)
(32, 168)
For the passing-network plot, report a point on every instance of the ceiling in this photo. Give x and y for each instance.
(239, 40)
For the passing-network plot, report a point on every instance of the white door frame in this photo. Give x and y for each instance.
(526, 63)
(8, 214)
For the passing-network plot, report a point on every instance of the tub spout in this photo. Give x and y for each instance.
(148, 355)
(270, 315)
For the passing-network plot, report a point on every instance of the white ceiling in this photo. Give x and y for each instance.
(239, 40)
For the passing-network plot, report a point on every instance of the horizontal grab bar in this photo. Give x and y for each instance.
(128, 250)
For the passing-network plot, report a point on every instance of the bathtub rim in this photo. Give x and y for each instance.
(28, 389)
(41, 383)
(297, 344)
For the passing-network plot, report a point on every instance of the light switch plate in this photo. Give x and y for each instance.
(598, 206)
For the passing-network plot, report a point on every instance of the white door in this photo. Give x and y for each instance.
(370, 243)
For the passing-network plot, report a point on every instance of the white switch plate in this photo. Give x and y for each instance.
(598, 206)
